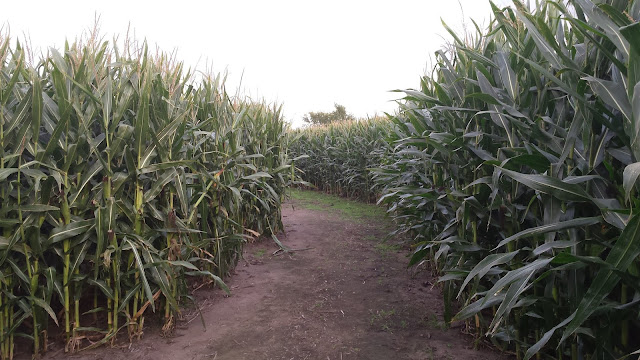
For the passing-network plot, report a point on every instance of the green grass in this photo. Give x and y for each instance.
(383, 318)
(384, 248)
(435, 323)
(315, 200)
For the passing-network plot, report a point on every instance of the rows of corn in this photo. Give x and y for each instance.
(336, 157)
(514, 169)
(121, 177)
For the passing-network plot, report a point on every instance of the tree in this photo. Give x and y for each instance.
(323, 118)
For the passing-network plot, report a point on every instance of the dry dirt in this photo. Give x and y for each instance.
(343, 295)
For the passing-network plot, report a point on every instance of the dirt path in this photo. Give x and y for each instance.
(346, 296)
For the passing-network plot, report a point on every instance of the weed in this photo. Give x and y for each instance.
(371, 238)
(434, 323)
(384, 248)
(383, 319)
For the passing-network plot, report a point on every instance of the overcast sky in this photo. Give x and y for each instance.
(307, 55)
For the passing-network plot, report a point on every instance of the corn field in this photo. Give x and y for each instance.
(336, 158)
(513, 168)
(120, 178)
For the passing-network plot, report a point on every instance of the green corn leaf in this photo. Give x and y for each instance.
(215, 278)
(30, 208)
(419, 96)
(629, 178)
(165, 166)
(141, 272)
(18, 271)
(537, 347)
(68, 231)
(185, 264)
(158, 185)
(107, 104)
(598, 18)
(553, 245)
(123, 134)
(79, 255)
(619, 18)
(549, 51)
(181, 190)
(485, 265)
(515, 275)
(53, 283)
(624, 251)
(19, 115)
(489, 99)
(300, 157)
(511, 297)
(635, 10)
(632, 33)
(93, 171)
(46, 307)
(5, 173)
(479, 57)
(507, 75)
(147, 158)
(635, 121)
(36, 105)
(18, 57)
(611, 93)
(141, 124)
(159, 274)
(129, 295)
(496, 115)
(257, 176)
(543, 229)
(453, 33)
(106, 290)
(477, 306)
(7, 223)
(563, 85)
(550, 185)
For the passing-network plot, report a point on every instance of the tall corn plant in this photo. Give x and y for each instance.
(514, 169)
(337, 157)
(121, 176)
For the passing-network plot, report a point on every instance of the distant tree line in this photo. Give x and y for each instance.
(323, 118)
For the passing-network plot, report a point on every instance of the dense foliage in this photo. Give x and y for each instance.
(120, 176)
(514, 168)
(336, 158)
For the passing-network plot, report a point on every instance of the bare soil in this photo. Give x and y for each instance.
(342, 293)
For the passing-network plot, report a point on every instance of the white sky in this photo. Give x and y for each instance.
(305, 54)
